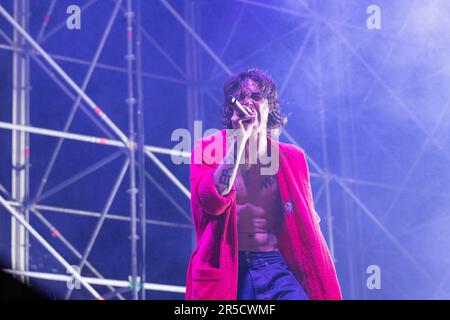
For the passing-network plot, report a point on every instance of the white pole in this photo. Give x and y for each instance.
(50, 249)
(90, 139)
(99, 282)
(65, 76)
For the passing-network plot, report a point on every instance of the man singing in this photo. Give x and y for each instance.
(258, 234)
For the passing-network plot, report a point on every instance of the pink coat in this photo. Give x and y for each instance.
(213, 267)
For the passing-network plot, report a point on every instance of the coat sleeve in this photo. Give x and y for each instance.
(203, 189)
(307, 183)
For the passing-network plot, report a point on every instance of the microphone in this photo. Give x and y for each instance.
(238, 106)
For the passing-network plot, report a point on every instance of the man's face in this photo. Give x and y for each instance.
(250, 95)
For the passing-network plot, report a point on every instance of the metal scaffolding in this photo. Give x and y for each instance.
(20, 140)
(128, 145)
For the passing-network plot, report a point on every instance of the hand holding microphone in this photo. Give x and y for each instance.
(243, 119)
(237, 106)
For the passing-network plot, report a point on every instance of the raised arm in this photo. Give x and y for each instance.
(225, 173)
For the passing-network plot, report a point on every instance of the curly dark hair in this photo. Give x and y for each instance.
(276, 120)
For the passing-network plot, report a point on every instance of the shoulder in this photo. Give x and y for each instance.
(217, 137)
(296, 158)
(210, 148)
(291, 150)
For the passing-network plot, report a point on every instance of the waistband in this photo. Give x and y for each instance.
(259, 259)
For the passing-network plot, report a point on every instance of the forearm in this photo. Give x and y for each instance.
(225, 173)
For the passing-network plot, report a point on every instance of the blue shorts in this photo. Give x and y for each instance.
(265, 276)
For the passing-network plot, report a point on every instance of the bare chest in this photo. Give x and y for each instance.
(256, 189)
(258, 205)
(258, 199)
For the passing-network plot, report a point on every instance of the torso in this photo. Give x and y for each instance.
(258, 209)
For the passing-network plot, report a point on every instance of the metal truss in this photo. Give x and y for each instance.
(129, 145)
(132, 147)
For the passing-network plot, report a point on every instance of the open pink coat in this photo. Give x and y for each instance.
(213, 267)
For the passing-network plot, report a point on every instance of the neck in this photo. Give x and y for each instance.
(260, 141)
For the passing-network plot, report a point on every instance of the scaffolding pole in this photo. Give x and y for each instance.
(20, 141)
(50, 249)
(142, 205)
(99, 282)
(193, 75)
(324, 145)
(130, 57)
